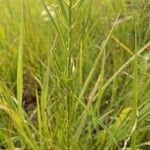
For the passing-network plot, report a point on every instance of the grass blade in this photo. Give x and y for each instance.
(20, 64)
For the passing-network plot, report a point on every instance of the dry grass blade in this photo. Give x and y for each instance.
(124, 66)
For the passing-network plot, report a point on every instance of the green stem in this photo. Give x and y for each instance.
(135, 93)
(69, 71)
(20, 64)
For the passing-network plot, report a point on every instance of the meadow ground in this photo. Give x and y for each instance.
(75, 74)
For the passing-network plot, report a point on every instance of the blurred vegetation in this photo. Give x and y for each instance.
(75, 74)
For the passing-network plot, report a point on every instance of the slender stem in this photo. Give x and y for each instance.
(20, 64)
(81, 63)
(135, 93)
(69, 47)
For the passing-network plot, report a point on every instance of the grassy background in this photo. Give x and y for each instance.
(77, 77)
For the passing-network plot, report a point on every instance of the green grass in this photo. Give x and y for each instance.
(75, 74)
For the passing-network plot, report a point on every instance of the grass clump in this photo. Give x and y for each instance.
(75, 74)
